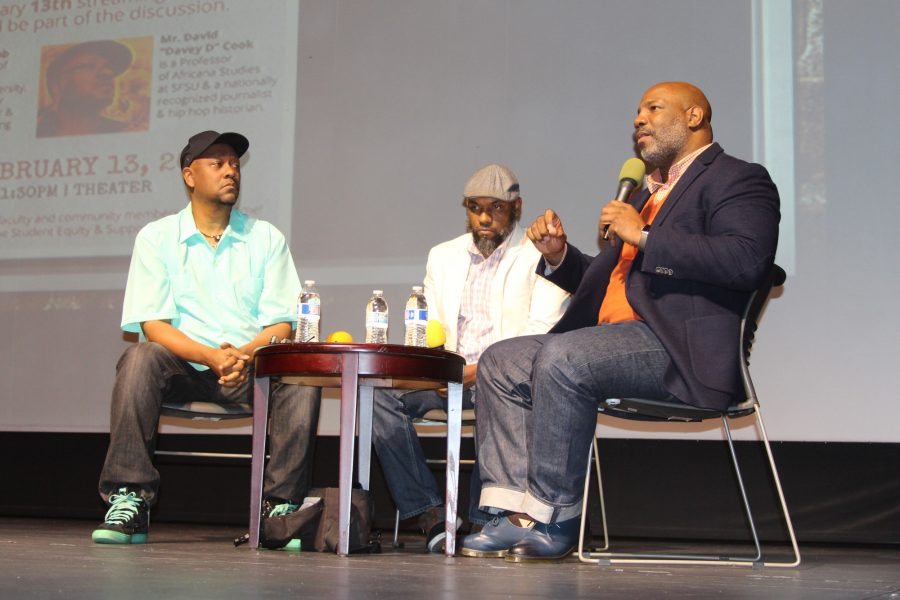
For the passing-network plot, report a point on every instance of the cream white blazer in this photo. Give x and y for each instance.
(523, 303)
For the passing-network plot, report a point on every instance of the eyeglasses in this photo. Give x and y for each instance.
(496, 208)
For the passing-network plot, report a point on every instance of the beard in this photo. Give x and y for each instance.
(487, 245)
(668, 142)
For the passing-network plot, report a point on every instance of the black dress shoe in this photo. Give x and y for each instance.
(433, 523)
(546, 541)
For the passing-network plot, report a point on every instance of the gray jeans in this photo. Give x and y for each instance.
(537, 411)
(147, 374)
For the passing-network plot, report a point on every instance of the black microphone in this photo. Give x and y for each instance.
(630, 177)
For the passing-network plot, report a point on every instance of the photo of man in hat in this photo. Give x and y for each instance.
(81, 86)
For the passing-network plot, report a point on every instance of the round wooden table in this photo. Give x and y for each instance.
(357, 369)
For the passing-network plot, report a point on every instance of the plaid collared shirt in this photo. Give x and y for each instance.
(662, 189)
(474, 327)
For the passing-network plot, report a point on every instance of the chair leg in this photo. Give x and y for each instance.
(584, 505)
(784, 509)
(591, 555)
(396, 543)
(740, 481)
(602, 497)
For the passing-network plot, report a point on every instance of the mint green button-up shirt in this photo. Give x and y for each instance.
(213, 295)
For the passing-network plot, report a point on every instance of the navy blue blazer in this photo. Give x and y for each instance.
(709, 247)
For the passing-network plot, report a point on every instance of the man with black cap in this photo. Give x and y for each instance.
(482, 287)
(81, 83)
(206, 287)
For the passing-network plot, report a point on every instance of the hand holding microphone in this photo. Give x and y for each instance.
(630, 178)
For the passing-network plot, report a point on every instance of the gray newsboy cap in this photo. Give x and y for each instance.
(492, 181)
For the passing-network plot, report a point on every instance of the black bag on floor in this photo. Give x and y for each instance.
(302, 523)
(362, 515)
(316, 523)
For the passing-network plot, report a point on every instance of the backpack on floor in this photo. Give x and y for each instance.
(315, 523)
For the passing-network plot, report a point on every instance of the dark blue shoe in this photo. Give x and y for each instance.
(546, 541)
(494, 539)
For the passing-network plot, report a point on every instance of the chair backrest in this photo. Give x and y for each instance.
(750, 322)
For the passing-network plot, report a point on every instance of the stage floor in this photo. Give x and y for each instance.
(56, 558)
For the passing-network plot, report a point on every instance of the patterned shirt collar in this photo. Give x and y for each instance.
(675, 173)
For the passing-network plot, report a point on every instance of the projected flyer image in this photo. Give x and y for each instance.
(96, 113)
(95, 87)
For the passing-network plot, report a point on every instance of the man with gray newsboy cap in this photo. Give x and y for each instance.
(482, 287)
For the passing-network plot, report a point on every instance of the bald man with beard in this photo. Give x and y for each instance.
(654, 315)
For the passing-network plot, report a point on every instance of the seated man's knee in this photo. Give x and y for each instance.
(508, 364)
(554, 358)
(144, 355)
(493, 358)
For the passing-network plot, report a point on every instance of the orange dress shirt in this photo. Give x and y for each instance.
(615, 306)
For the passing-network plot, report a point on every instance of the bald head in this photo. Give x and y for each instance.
(687, 95)
(673, 120)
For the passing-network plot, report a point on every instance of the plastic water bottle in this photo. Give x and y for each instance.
(416, 318)
(308, 313)
(376, 319)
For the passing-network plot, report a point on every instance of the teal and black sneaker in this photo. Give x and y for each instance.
(276, 507)
(126, 521)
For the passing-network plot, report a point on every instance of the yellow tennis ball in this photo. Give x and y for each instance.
(339, 337)
(434, 334)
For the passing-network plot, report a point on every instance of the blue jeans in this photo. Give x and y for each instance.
(396, 442)
(147, 374)
(537, 411)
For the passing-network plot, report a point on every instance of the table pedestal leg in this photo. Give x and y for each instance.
(258, 454)
(349, 382)
(366, 406)
(454, 432)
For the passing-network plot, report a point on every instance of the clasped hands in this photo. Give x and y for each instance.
(230, 364)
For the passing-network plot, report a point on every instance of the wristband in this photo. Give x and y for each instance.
(645, 233)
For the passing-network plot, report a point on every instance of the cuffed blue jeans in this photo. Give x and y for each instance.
(410, 481)
(537, 411)
(147, 374)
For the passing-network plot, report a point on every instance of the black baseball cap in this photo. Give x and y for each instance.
(199, 142)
